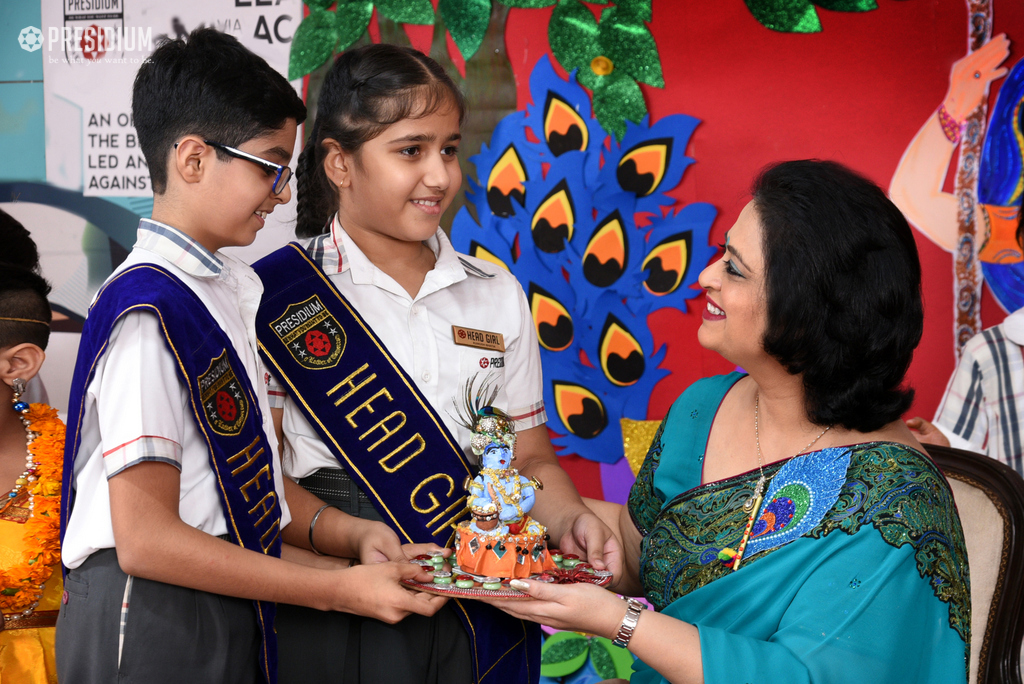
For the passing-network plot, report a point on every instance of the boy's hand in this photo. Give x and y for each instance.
(927, 433)
(382, 596)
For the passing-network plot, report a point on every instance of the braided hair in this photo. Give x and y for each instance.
(367, 90)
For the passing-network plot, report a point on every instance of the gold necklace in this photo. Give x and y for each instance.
(753, 504)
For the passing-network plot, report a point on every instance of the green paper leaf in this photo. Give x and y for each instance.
(318, 4)
(562, 653)
(847, 5)
(353, 18)
(641, 9)
(313, 43)
(789, 16)
(630, 46)
(467, 21)
(617, 98)
(572, 33)
(621, 660)
(587, 78)
(528, 3)
(407, 11)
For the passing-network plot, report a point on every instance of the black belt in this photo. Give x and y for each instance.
(336, 487)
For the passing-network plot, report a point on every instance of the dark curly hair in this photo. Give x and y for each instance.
(366, 90)
(843, 290)
(208, 85)
(23, 290)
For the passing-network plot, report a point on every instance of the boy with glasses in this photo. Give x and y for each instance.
(179, 532)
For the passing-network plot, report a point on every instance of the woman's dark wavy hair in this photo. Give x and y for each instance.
(367, 90)
(843, 290)
(23, 290)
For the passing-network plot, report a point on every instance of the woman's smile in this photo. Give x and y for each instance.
(712, 312)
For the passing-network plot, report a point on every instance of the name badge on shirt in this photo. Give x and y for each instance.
(481, 339)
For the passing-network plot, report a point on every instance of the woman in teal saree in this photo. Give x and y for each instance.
(786, 525)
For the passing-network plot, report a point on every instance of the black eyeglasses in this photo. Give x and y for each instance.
(284, 173)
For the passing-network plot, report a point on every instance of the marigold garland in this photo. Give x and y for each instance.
(23, 584)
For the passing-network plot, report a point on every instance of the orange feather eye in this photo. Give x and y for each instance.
(506, 183)
(481, 252)
(554, 221)
(622, 357)
(604, 259)
(668, 263)
(551, 318)
(564, 129)
(582, 413)
(642, 168)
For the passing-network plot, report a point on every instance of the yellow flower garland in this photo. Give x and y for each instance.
(23, 583)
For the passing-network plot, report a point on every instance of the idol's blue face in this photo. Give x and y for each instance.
(497, 457)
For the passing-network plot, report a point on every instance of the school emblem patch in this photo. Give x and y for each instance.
(224, 400)
(311, 334)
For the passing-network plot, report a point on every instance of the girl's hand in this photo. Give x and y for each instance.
(591, 538)
(410, 551)
(378, 543)
(971, 75)
(575, 607)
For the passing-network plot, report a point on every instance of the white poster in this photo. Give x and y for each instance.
(91, 51)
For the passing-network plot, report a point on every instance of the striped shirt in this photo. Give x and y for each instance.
(983, 409)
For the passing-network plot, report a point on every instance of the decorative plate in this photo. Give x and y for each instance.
(581, 573)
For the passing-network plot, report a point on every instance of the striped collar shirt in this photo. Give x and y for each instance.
(983, 408)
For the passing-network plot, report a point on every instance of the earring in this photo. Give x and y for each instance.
(18, 387)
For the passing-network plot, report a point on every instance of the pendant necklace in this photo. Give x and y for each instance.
(732, 558)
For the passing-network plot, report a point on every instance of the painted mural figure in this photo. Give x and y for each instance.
(980, 410)
(917, 184)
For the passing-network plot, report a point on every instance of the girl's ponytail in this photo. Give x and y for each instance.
(317, 197)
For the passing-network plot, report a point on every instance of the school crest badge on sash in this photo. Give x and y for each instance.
(224, 401)
(311, 333)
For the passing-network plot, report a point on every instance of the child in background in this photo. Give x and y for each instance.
(378, 171)
(31, 451)
(174, 507)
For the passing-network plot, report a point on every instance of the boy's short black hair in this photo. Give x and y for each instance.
(843, 289)
(22, 290)
(209, 85)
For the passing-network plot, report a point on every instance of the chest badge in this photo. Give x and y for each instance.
(479, 339)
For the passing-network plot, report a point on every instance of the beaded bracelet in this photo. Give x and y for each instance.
(950, 126)
(312, 526)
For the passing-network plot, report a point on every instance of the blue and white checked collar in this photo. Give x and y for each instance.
(178, 248)
(329, 252)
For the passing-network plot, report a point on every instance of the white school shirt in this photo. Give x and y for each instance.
(983, 408)
(136, 408)
(459, 291)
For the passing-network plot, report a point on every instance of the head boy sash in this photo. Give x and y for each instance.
(383, 431)
(223, 404)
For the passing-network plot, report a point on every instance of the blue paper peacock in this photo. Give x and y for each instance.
(585, 225)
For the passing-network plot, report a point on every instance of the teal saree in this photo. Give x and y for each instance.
(856, 570)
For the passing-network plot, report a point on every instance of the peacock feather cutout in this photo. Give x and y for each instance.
(584, 223)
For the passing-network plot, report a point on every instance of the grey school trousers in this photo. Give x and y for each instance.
(171, 634)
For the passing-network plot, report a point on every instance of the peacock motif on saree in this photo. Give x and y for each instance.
(585, 224)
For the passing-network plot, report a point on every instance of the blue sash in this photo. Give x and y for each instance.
(223, 404)
(382, 430)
